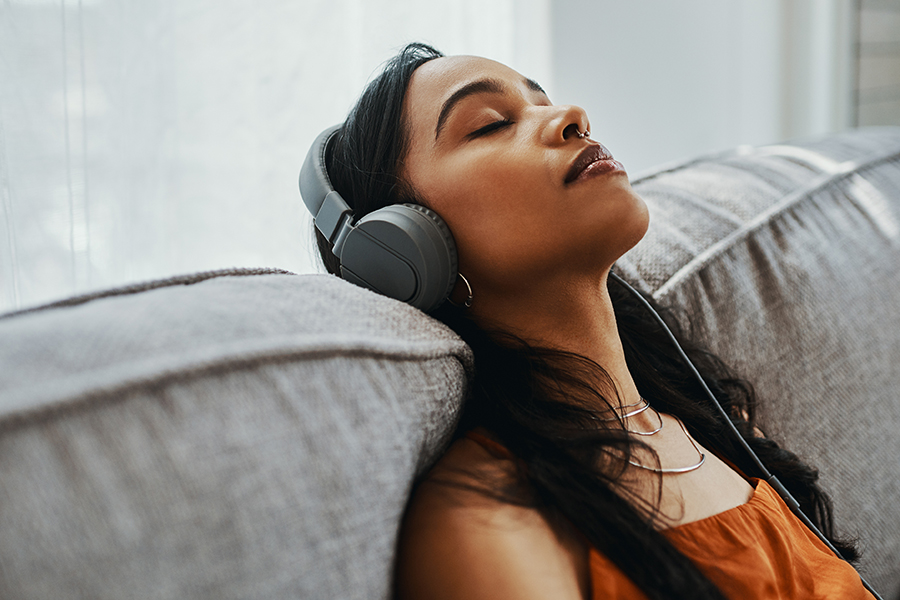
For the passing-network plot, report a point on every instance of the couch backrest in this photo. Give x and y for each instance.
(786, 258)
(226, 435)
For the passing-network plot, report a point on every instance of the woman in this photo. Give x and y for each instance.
(588, 463)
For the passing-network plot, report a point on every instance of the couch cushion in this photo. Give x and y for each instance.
(226, 435)
(786, 259)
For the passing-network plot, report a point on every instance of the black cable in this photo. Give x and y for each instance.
(770, 479)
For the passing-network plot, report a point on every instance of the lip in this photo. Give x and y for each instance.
(593, 160)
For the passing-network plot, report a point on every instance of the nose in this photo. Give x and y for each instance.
(566, 123)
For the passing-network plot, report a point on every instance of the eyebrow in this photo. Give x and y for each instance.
(482, 86)
(534, 86)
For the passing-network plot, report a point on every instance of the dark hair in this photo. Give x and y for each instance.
(538, 402)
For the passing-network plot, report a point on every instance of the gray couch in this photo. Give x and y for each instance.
(255, 434)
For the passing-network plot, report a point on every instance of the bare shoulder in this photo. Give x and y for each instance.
(458, 541)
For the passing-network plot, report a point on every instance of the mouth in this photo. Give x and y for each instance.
(593, 160)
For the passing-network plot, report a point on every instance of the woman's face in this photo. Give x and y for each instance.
(492, 155)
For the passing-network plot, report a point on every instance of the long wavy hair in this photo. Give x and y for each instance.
(542, 403)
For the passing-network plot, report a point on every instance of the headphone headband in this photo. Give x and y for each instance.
(328, 208)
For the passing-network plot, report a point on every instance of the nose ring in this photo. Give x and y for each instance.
(581, 136)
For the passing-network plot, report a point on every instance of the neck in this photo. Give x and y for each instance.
(575, 317)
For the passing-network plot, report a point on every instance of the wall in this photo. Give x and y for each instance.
(666, 80)
(878, 84)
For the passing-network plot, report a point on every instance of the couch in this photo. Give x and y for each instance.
(250, 433)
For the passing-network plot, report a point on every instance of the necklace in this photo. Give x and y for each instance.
(643, 405)
(633, 404)
(675, 470)
(657, 430)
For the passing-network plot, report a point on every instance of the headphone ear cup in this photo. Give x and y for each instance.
(404, 251)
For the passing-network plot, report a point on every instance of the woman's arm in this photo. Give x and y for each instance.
(460, 543)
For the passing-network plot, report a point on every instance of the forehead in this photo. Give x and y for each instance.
(436, 80)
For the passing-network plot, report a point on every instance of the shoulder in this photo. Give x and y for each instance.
(460, 541)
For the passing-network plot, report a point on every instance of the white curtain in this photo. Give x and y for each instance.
(141, 139)
(144, 139)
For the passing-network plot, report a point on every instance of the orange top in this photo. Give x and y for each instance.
(756, 550)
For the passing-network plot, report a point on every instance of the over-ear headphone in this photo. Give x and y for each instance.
(404, 251)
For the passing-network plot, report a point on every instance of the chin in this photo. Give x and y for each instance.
(643, 221)
(634, 225)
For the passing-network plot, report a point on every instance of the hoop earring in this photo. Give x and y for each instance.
(468, 301)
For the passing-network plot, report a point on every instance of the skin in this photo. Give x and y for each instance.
(537, 252)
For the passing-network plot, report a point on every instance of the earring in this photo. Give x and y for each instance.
(468, 301)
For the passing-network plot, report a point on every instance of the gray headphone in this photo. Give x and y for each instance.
(404, 251)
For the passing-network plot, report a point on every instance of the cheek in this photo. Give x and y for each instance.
(556, 235)
(499, 220)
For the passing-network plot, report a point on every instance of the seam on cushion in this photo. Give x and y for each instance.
(52, 405)
(149, 285)
(737, 151)
(843, 170)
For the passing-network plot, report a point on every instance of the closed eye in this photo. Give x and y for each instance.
(490, 128)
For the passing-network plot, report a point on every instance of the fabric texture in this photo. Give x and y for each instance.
(236, 437)
(756, 550)
(784, 261)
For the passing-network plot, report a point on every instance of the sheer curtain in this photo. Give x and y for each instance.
(144, 139)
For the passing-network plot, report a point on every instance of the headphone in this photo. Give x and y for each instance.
(406, 251)
(403, 251)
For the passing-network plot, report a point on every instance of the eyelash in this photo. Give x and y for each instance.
(491, 128)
